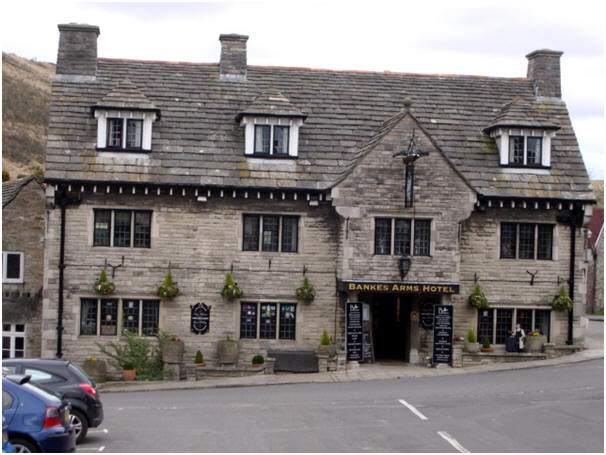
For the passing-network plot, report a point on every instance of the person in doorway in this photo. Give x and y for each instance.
(519, 334)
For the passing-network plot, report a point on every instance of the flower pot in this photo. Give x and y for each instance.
(200, 364)
(227, 351)
(129, 375)
(487, 349)
(172, 351)
(472, 348)
(534, 343)
(329, 350)
(96, 369)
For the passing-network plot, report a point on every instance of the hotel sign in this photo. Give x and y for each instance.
(399, 287)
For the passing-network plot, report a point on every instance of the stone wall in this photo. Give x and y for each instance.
(23, 223)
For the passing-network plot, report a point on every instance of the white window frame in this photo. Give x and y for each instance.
(13, 334)
(21, 277)
(502, 135)
(102, 115)
(249, 122)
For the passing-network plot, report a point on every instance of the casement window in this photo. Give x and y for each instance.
(124, 131)
(268, 320)
(524, 147)
(498, 323)
(526, 241)
(13, 341)
(401, 236)
(525, 150)
(12, 267)
(271, 232)
(271, 140)
(108, 317)
(122, 228)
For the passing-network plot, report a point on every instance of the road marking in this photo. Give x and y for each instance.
(98, 430)
(414, 410)
(101, 449)
(453, 442)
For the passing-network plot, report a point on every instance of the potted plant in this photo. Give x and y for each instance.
(230, 289)
(486, 345)
(562, 302)
(128, 371)
(172, 350)
(103, 286)
(199, 359)
(534, 341)
(327, 347)
(306, 292)
(471, 344)
(257, 361)
(95, 368)
(477, 299)
(227, 351)
(168, 289)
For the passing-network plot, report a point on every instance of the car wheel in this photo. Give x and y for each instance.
(23, 446)
(80, 424)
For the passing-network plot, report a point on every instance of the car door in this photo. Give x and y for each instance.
(9, 405)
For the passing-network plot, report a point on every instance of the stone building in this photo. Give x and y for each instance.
(397, 191)
(23, 223)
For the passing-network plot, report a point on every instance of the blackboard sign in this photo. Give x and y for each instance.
(366, 347)
(426, 315)
(442, 333)
(354, 331)
(200, 318)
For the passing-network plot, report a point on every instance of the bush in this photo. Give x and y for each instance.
(485, 342)
(136, 353)
(258, 359)
(199, 357)
(325, 340)
(471, 337)
(5, 176)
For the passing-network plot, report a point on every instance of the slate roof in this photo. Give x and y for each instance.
(11, 189)
(526, 113)
(198, 141)
(272, 103)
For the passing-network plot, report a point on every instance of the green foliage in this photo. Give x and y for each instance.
(478, 299)
(562, 302)
(230, 289)
(258, 359)
(136, 353)
(306, 292)
(168, 289)
(199, 357)
(325, 340)
(471, 336)
(485, 342)
(5, 176)
(103, 286)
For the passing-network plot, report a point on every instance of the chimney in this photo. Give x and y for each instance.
(544, 71)
(77, 55)
(233, 57)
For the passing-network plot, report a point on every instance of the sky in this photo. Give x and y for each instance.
(488, 38)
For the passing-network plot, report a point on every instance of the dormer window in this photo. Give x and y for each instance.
(525, 150)
(124, 130)
(523, 147)
(124, 133)
(271, 140)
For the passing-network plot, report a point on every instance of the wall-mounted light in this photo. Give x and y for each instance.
(404, 266)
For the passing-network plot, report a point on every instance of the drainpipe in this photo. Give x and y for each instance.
(62, 200)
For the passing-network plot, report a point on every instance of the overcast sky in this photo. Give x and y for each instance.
(489, 38)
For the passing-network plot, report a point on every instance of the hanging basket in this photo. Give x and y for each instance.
(306, 292)
(168, 289)
(562, 302)
(103, 286)
(478, 299)
(230, 289)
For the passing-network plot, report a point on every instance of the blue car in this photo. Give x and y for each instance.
(37, 421)
(7, 447)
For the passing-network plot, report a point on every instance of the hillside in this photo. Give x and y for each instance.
(26, 88)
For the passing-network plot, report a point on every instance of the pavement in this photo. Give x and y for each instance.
(368, 372)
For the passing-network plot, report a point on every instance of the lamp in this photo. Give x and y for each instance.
(404, 265)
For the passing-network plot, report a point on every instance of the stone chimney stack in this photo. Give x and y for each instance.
(544, 71)
(233, 57)
(77, 56)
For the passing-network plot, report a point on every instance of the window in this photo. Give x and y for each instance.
(524, 147)
(12, 267)
(406, 232)
(13, 341)
(271, 140)
(498, 323)
(43, 377)
(268, 320)
(526, 241)
(101, 316)
(116, 137)
(271, 136)
(122, 228)
(277, 233)
(525, 150)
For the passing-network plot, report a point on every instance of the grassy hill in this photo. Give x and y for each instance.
(26, 88)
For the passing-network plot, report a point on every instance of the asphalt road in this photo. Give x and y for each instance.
(554, 409)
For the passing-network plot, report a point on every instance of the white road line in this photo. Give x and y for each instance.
(453, 442)
(414, 410)
(101, 449)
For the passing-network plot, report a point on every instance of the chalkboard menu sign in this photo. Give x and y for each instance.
(354, 331)
(442, 333)
(426, 315)
(200, 318)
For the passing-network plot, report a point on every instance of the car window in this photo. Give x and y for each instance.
(44, 393)
(43, 377)
(7, 400)
(10, 369)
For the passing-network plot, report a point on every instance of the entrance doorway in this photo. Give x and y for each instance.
(391, 327)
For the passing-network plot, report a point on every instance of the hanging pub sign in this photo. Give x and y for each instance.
(442, 333)
(354, 336)
(426, 315)
(200, 318)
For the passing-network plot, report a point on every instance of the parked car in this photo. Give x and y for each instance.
(36, 420)
(68, 380)
(7, 447)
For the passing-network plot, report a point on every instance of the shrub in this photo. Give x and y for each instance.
(485, 342)
(5, 176)
(325, 340)
(258, 359)
(471, 337)
(199, 357)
